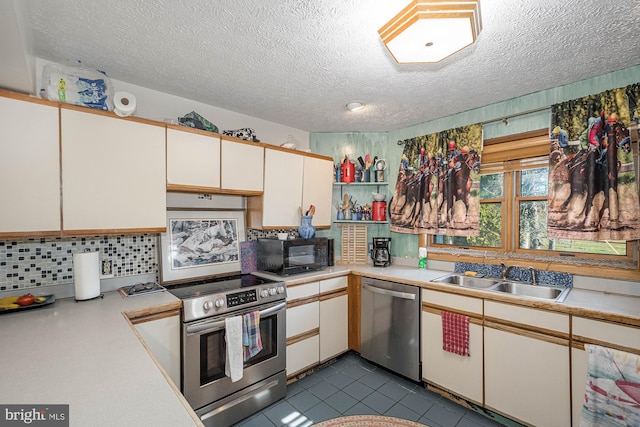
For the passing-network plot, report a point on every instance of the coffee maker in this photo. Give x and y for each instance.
(381, 251)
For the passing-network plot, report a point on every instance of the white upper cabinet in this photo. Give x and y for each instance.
(193, 160)
(113, 173)
(242, 167)
(29, 167)
(292, 181)
(282, 195)
(317, 185)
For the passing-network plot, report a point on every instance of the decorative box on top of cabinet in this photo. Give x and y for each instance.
(29, 166)
(113, 173)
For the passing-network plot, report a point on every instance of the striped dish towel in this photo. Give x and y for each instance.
(455, 333)
(251, 340)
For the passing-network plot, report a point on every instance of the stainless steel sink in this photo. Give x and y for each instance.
(550, 293)
(467, 281)
(523, 289)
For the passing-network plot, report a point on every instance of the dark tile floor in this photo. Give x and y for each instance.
(353, 386)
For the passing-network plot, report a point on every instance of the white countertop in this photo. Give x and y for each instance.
(85, 354)
(589, 303)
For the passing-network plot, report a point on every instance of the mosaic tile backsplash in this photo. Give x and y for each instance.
(517, 273)
(40, 262)
(31, 263)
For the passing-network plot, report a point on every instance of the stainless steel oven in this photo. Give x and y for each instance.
(216, 399)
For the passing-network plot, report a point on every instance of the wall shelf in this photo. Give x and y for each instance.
(357, 184)
(350, 221)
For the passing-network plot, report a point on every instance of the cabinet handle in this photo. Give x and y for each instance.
(396, 294)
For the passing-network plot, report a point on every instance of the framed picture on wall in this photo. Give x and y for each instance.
(198, 244)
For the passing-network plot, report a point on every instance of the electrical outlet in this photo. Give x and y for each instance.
(106, 269)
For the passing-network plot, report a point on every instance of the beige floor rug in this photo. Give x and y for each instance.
(368, 421)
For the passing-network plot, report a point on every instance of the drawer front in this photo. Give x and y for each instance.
(527, 316)
(605, 332)
(329, 285)
(457, 302)
(302, 355)
(303, 318)
(303, 291)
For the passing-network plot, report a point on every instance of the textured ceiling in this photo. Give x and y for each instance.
(298, 62)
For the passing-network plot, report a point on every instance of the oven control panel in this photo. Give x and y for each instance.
(241, 298)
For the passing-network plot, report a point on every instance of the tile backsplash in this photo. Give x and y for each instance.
(517, 273)
(41, 262)
(31, 263)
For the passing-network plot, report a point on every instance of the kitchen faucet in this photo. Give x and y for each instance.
(505, 270)
(534, 281)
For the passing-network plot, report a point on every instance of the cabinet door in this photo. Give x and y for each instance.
(317, 188)
(527, 378)
(242, 167)
(334, 323)
(303, 318)
(162, 337)
(302, 354)
(193, 161)
(282, 197)
(461, 375)
(113, 174)
(29, 167)
(607, 334)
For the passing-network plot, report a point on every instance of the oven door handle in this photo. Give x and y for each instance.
(219, 324)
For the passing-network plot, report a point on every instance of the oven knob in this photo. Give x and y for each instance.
(280, 289)
(264, 293)
(219, 302)
(207, 305)
(272, 291)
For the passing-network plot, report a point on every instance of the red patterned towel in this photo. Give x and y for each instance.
(251, 340)
(455, 333)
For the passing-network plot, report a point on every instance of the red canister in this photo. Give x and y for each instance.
(348, 172)
(379, 211)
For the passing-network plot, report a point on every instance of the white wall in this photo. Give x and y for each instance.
(156, 105)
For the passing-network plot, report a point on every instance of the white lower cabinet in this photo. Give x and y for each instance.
(317, 323)
(161, 333)
(607, 334)
(303, 327)
(461, 375)
(527, 372)
(334, 321)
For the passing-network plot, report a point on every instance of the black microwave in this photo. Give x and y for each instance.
(294, 256)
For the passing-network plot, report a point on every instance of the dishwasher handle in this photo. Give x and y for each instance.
(395, 294)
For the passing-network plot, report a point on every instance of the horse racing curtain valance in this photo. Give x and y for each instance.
(593, 193)
(438, 183)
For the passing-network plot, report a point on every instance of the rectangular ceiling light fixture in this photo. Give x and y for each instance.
(429, 31)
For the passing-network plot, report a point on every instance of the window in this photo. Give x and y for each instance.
(513, 205)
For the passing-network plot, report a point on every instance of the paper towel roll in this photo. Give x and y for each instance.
(86, 275)
(124, 104)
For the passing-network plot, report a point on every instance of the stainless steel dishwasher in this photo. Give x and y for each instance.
(390, 326)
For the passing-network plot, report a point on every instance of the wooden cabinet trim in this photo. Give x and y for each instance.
(578, 342)
(191, 188)
(548, 336)
(303, 336)
(110, 114)
(155, 316)
(28, 98)
(151, 311)
(101, 232)
(433, 309)
(333, 294)
(302, 301)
